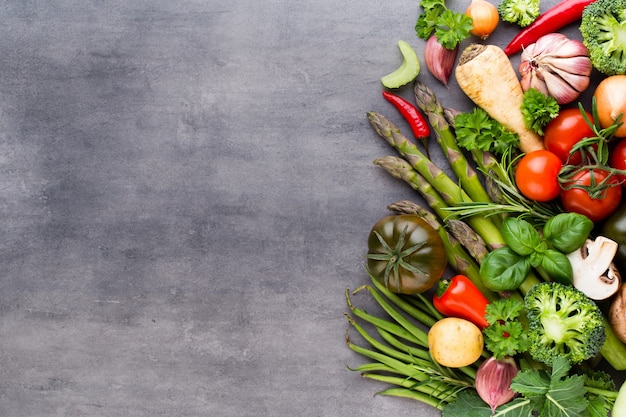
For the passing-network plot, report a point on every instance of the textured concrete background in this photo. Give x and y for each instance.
(185, 192)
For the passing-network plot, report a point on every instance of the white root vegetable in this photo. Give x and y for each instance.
(487, 77)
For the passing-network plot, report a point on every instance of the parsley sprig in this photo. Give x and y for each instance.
(505, 335)
(450, 27)
(477, 130)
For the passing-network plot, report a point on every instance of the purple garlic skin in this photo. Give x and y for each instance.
(557, 66)
(493, 381)
(439, 60)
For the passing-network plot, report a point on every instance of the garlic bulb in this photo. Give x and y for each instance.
(557, 66)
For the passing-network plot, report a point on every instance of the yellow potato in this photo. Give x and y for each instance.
(455, 342)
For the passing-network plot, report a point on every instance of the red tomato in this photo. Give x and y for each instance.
(564, 131)
(537, 174)
(618, 159)
(578, 200)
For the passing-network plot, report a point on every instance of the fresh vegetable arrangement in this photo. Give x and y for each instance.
(502, 293)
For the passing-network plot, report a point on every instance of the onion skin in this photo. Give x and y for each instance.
(485, 18)
(610, 96)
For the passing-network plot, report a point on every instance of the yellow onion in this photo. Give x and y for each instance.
(557, 66)
(493, 381)
(484, 16)
(610, 98)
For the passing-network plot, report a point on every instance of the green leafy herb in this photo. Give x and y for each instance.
(469, 404)
(450, 27)
(477, 130)
(555, 394)
(505, 335)
(538, 110)
(506, 268)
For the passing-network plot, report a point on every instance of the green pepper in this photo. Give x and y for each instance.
(459, 297)
(406, 254)
(614, 227)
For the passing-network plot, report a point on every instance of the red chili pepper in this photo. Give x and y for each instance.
(552, 20)
(416, 120)
(459, 297)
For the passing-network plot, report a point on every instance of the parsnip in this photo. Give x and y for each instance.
(487, 77)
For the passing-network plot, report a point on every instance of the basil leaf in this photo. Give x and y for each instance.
(536, 259)
(567, 232)
(504, 270)
(557, 266)
(520, 236)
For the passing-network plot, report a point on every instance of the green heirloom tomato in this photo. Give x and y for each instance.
(614, 227)
(406, 254)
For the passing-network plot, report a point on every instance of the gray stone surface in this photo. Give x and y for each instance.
(185, 192)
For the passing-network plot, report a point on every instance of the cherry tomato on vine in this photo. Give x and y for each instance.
(564, 131)
(537, 175)
(617, 159)
(579, 200)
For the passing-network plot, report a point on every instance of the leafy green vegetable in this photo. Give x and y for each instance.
(477, 130)
(450, 27)
(506, 268)
(538, 110)
(567, 231)
(555, 394)
(469, 404)
(505, 335)
(453, 28)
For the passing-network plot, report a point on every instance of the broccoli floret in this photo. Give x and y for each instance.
(603, 27)
(562, 321)
(520, 12)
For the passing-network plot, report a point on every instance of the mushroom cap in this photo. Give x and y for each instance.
(595, 274)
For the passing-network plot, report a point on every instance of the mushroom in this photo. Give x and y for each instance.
(594, 271)
(617, 314)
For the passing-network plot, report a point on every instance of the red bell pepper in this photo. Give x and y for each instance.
(459, 297)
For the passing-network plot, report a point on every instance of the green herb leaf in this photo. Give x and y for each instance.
(567, 232)
(557, 266)
(538, 110)
(476, 130)
(452, 28)
(555, 394)
(504, 309)
(504, 339)
(467, 404)
(504, 270)
(521, 236)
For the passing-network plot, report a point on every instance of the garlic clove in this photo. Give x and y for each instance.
(580, 65)
(493, 381)
(559, 88)
(439, 60)
(578, 82)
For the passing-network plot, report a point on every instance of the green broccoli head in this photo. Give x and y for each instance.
(519, 12)
(603, 27)
(562, 321)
